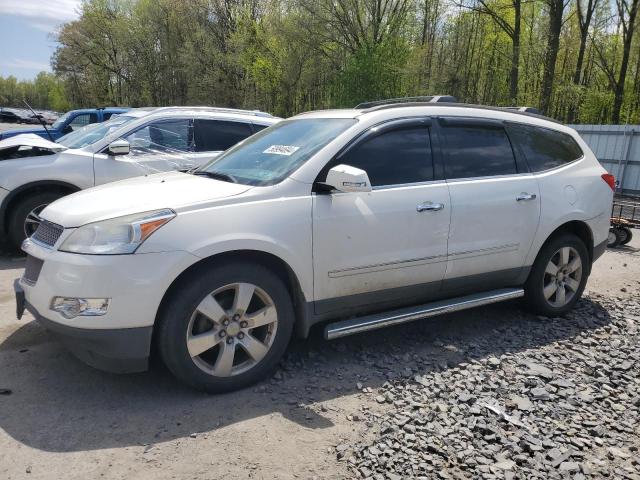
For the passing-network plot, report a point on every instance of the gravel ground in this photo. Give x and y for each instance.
(493, 392)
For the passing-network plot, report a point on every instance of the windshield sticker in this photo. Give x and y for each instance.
(281, 149)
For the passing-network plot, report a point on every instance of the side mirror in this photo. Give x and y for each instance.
(67, 129)
(348, 179)
(119, 147)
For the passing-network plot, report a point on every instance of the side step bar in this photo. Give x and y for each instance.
(393, 317)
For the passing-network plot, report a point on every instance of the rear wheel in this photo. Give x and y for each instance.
(226, 328)
(25, 218)
(558, 276)
(613, 240)
(628, 235)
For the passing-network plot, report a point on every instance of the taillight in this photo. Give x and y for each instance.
(609, 180)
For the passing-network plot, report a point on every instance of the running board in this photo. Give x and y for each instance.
(393, 317)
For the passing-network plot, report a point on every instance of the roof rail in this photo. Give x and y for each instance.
(257, 113)
(401, 100)
(516, 110)
(524, 109)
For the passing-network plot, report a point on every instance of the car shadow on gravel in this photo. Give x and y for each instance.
(58, 404)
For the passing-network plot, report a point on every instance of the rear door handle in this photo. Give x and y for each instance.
(429, 207)
(524, 196)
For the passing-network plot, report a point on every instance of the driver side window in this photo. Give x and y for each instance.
(395, 157)
(162, 137)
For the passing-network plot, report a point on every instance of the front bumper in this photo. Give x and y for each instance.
(123, 350)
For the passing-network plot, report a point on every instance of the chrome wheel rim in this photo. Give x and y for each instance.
(32, 222)
(562, 277)
(232, 329)
(611, 239)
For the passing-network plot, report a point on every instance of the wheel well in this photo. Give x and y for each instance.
(579, 229)
(24, 192)
(272, 262)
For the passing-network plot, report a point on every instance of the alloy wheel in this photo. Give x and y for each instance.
(562, 277)
(232, 329)
(33, 220)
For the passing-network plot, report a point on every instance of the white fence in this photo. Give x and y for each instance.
(618, 149)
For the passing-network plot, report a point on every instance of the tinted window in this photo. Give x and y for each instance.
(216, 135)
(106, 116)
(167, 136)
(395, 157)
(545, 148)
(477, 151)
(82, 120)
(258, 127)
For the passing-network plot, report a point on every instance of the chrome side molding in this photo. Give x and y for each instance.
(393, 317)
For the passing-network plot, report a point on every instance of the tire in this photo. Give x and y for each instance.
(184, 328)
(629, 235)
(543, 289)
(614, 238)
(33, 203)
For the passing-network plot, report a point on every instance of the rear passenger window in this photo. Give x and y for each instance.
(477, 151)
(394, 157)
(544, 148)
(217, 135)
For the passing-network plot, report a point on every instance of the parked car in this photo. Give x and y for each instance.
(16, 115)
(34, 172)
(9, 115)
(67, 123)
(362, 218)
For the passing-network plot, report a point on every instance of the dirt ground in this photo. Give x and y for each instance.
(63, 419)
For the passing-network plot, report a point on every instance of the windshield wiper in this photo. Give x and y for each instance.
(217, 176)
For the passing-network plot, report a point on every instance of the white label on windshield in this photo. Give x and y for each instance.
(281, 149)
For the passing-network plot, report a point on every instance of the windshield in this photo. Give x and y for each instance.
(93, 132)
(60, 122)
(268, 157)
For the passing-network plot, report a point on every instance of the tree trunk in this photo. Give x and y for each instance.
(515, 54)
(624, 65)
(556, 8)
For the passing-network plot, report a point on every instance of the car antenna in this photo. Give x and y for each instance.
(39, 119)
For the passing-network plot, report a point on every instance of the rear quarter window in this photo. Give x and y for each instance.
(544, 148)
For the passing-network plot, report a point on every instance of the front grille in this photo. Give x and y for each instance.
(32, 270)
(47, 233)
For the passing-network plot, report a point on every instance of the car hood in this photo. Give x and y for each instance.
(141, 194)
(30, 140)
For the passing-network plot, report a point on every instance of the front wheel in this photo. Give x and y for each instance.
(558, 276)
(25, 219)
(226, 328)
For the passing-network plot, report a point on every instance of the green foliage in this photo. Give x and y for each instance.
(46, 91)
(287, 56)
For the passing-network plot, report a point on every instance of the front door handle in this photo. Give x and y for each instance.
(429, 207)
(524, 196)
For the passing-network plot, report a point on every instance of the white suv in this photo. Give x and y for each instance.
(34, 172)
(358, 218)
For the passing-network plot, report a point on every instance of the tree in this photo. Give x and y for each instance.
(556, 12)
(501, 14)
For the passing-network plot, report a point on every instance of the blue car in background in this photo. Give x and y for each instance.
(69, 122)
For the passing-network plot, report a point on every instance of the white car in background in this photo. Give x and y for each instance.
(34, 171)
(363, 218)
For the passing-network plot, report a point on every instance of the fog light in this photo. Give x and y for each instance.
(70, 307)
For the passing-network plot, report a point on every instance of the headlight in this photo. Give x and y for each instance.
(117, 235)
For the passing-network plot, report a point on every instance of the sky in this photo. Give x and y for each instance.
(27, 29)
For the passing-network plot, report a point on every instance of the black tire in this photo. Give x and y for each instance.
(174, 322)
(614, 238)
(19, 215)
(629, 235)
(534, 287)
